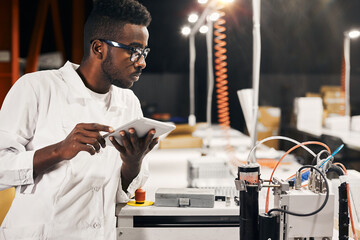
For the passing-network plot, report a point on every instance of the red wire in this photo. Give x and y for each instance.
(221, 83)
(289, 151)
(221, 72)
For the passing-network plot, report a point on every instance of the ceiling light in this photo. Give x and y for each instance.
(204, 29)
(193, 17)
(214, 16)
(186, 30)
(354, 34)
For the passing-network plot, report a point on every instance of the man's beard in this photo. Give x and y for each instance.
(111, 72)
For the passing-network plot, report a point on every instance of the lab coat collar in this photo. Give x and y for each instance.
(79, 92)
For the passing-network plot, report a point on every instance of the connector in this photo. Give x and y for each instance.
(298, 180)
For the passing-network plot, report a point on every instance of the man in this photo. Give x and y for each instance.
(51, 125)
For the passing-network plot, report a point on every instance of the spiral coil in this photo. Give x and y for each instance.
(221, 72)
(222, 94)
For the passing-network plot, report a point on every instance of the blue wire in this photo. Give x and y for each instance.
(305, 175)
(332, 155)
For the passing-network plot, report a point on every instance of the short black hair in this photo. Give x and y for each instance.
(108, 17)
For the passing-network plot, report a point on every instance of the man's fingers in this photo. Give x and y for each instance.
(125, 141)
(149, 137)
(95, 127)
(153, 143)
(84, 147)
(93, 134)
(134, 139)
(117, 145)
(101, 140)
(88, 149)
(88, 141)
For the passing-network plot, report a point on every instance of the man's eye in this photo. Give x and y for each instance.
(138, 51)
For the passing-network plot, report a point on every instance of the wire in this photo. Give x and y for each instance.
(221, 83)
(289, 151)
(278, 137)
(310, 213)
(221, 71)
(332, 155)
(350, 211)
(342, 166)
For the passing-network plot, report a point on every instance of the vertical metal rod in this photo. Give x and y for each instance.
(347, 73)
(256, 69)
(199, 23)
(210, 78)
(192, 119)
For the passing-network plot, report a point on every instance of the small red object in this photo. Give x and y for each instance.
(140, 196)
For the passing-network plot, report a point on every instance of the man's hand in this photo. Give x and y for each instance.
(84, 137)
(132, 152)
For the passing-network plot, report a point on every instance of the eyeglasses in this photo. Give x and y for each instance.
(136, 52)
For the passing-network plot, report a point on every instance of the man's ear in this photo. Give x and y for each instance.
(97, 48)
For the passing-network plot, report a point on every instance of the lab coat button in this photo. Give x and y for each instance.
(97, 225)
(96, 189)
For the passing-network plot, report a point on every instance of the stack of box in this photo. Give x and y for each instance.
(308, 113)
(269, 124)
(333, 100)
(181, 137)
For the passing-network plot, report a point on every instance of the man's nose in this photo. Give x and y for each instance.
(141, 62)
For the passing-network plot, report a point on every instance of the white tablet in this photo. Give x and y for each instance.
(142, 126)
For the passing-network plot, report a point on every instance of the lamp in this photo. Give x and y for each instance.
(209, 14)
(255, 71)
(198, 24)
(348, 35)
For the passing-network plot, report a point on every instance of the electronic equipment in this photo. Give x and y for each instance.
(185, 197)
(177, 223)
(319, 225)
(210, 172)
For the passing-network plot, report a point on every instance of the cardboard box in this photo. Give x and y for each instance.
(334, 100)
(338, 109)
(310, 94)
(181, 141)
(181, 137)
(269, 124)
(183, 129)
(327, 88)
(269, 116)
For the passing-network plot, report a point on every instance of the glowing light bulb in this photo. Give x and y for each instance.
(204, 29)
(193, 17)
(214, 16)
(186, 30)
(202, 1)
(354, 34)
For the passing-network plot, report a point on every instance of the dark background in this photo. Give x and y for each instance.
(302, 47)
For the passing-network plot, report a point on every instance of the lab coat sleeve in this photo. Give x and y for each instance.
(18, 117)
(141, 178)
(137, 183)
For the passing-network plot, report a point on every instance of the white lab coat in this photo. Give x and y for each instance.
(75, 199)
